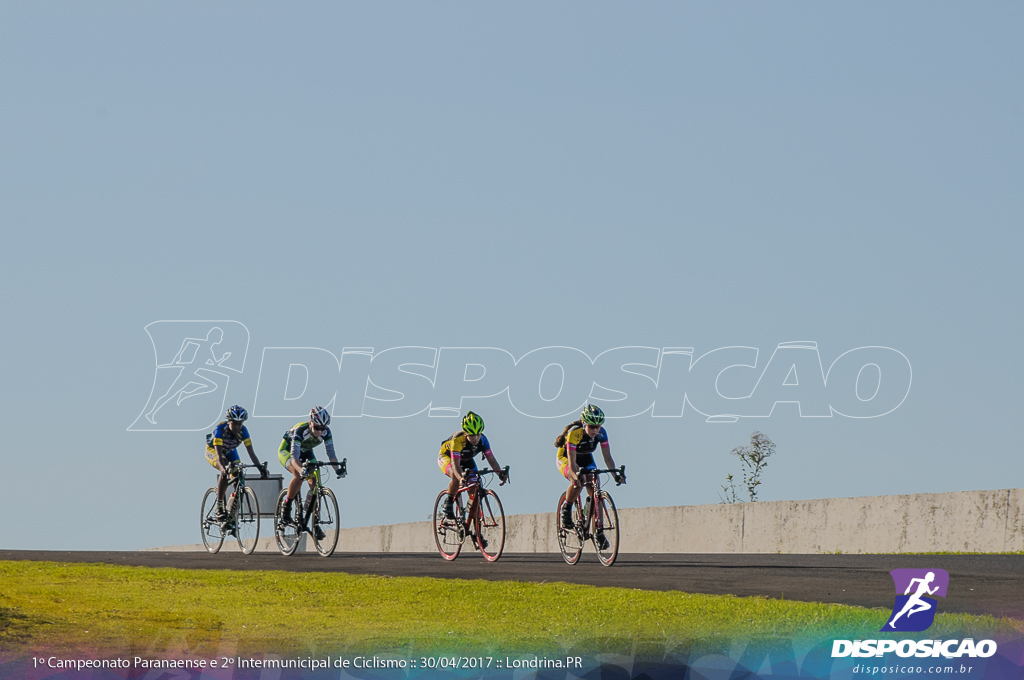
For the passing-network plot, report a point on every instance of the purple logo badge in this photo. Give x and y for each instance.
(914, 609)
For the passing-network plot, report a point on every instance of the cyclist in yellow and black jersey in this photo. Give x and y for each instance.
(576, 456)
(458, 453)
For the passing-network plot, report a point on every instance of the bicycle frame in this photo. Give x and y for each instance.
(474, 513)
(591, 516)
(319, 512)
(244, 527)
(311, 470)
(236, 483)
(480, 517)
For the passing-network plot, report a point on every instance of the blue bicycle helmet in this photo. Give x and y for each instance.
(236, 412)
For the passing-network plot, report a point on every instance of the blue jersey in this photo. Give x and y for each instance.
(227, 440)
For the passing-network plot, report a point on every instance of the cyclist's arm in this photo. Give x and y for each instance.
(492, 460)
(329, 447)
(248, 446)
(606, 451)
(252, 453)
(494, 465)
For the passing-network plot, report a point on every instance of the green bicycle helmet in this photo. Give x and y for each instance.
(472, 423)
(592, 415)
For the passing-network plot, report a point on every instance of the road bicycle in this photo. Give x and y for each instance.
(593, 519)
(321, 513)
(479, 516)
(241, 507)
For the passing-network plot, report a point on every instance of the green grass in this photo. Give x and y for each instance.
(136, 610)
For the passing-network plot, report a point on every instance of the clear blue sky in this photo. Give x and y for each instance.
(589, 175)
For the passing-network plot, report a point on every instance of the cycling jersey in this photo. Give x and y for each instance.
(299, 442)
(228, 442)
(458, 446)
(584, 445)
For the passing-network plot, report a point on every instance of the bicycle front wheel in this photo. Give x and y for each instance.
(570, 541)
(448, 533)
(247, 520)
(606, 525)
(325, 517)
(213, 534)
(286, 531)
(492, 526)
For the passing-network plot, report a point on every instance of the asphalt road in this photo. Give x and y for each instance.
(978, 584)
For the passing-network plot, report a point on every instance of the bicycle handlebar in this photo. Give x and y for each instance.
(491, 471)
(314, 464)
(240, 465)
(619, 472)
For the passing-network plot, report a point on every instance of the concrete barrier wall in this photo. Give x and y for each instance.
(981, 521)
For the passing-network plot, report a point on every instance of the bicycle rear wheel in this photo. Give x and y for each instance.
(570, 541)
(247, 520)
(606, 523)
(286, 531)
(448, 533)
(325, 516)
(213, 534)
(492, 525)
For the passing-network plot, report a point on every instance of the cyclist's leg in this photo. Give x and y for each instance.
(571, 494)
(227, 458)
(294, 484)
(445, 463)
(589, 484)
(472, 518)
(222, 481)
(307, 508)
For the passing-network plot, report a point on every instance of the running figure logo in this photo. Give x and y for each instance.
(194, 360)
(914, 610)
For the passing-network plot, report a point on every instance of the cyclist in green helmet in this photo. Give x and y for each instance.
(576, 448)
(457, 455)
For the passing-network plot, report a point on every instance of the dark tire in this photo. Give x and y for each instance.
(570, 541)
(325, 516)
(607, 520)
(286, 534)
(448, 533)
(247, 521)
(492, 525)
(213, 534)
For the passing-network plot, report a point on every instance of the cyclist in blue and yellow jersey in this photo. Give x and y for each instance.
(576, 449)
(222, 450)
(458, 453)
(297, 448)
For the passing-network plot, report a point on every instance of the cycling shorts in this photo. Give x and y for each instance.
(284, 454)
(444, 462)
(563, 467)
(230, 456)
